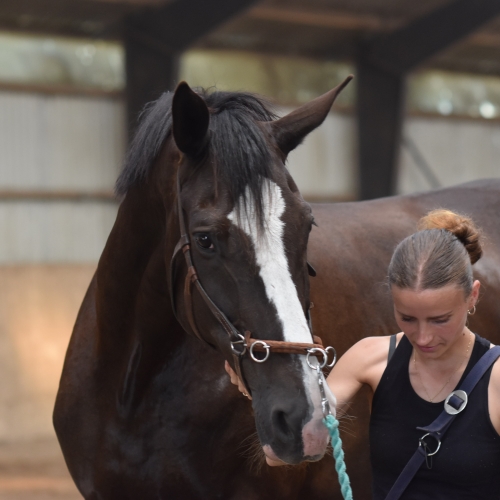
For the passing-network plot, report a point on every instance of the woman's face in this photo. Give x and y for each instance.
(433, 319)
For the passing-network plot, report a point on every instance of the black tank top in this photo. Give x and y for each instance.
(467, 467)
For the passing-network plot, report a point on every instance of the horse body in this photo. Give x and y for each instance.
(145, 410)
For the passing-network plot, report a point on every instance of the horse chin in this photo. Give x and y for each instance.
(316, 458)
(271, 458)
(274, 461)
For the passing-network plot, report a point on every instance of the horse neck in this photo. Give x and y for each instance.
(134, 316)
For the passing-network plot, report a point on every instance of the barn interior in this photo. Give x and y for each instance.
(423, 112)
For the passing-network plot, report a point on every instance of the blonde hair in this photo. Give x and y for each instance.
(440, 253)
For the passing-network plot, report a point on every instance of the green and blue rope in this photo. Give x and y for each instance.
(332, 424)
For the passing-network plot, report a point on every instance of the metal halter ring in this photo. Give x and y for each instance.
(327, 350)
(312, 352)
(424, 445)
(265, 346)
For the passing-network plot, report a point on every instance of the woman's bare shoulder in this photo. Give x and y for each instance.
(370, 356)
(372, 348)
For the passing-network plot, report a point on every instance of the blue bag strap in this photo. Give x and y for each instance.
(437, 428)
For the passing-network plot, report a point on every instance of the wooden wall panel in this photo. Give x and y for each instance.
(60, 142)
(456, 150)
(54, 231)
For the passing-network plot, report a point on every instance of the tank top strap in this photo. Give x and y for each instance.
(401, 354)
(392, 346)
(398, 361)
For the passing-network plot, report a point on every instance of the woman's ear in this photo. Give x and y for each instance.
(474, 295)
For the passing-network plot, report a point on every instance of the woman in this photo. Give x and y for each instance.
(433, 290)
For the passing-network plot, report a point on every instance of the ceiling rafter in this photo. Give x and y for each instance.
(340, 20)
(404, 49)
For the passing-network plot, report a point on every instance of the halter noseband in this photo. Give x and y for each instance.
(240, 344)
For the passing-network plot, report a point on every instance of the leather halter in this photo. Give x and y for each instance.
(239, 343)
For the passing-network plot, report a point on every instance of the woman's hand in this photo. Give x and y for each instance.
(235, 380)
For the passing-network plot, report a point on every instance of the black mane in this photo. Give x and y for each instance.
(237, 142)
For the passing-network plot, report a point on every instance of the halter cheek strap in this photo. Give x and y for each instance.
(240, 344)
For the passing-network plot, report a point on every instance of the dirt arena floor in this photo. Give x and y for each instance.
(35, 471)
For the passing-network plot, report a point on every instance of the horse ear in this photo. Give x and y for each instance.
(190, 120)
(290, 130)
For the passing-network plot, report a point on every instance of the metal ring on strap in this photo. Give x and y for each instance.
(424, 445)
(265, 346)
(312, 352)
(334, 360)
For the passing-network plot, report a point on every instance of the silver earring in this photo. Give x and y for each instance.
(472, 311)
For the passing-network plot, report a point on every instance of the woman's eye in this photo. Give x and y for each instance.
(204, 241)
(441, 321)
(407, 320)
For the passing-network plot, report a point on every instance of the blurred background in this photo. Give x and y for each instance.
(423, 112)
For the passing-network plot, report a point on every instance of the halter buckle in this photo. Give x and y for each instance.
(241, 342)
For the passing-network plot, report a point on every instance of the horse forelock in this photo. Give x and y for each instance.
(238, 150)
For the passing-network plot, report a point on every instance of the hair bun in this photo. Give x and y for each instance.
(459, 225)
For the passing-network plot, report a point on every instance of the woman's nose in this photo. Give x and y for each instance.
(424, 334)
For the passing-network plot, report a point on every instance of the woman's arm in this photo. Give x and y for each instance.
(362, 364)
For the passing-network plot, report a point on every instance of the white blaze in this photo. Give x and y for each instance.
(271, 259)
(281, 291)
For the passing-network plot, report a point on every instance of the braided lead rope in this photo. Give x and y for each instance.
(332, 424)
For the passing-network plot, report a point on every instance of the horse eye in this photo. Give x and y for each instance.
(204, 241)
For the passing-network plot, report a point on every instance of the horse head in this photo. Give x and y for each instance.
(244, 229)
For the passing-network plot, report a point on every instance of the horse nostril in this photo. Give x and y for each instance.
(281, 426)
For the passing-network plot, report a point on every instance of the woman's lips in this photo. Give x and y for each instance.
(422, 348)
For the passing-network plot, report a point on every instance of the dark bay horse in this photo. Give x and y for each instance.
(145, 409)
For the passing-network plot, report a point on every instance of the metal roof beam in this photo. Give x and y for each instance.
(402, 50)
(179, 24)
(327, 19)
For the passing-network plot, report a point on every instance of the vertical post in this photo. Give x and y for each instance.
(150, 70)
(383, 64)
(380, 110)
(155, 38)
